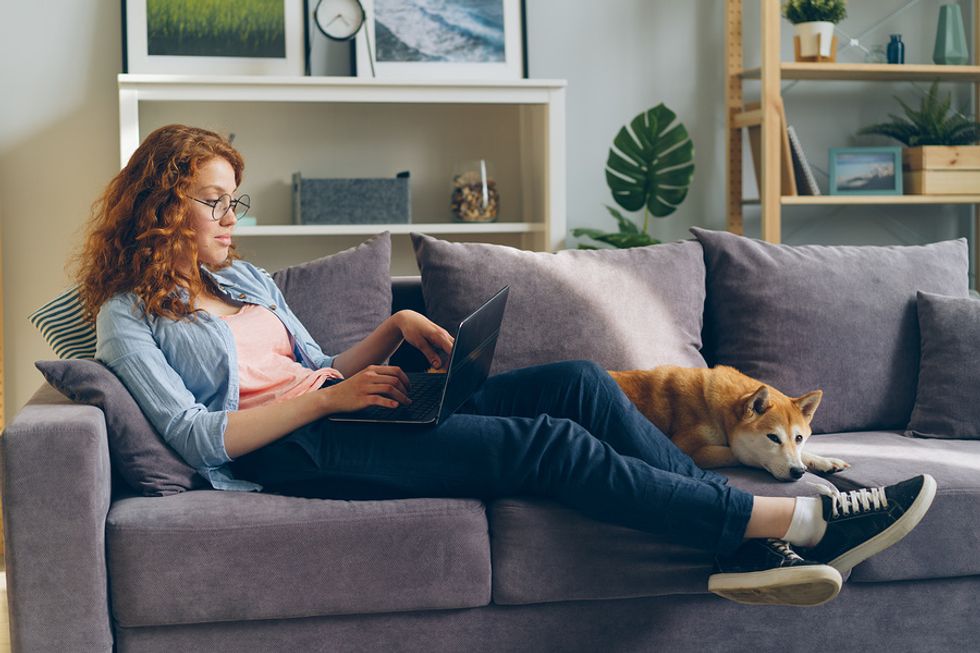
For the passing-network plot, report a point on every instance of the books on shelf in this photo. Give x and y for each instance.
(806, 183)
(788, 184)
(796, 175)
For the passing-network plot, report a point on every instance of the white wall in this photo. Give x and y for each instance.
(58, 127)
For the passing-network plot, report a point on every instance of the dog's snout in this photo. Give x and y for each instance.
(797, 472)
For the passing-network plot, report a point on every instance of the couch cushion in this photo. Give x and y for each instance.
(841, 319)
(62, 326)
(945, 542)
(543, 551)
(140, 456)
(341, 298)
(227, 556)
(946, 403)
(624, 309)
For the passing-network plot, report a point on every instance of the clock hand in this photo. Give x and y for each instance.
(332, 20)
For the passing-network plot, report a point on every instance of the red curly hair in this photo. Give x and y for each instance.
(140, 234)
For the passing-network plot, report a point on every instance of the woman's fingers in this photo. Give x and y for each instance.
(390, 389)
(390, 381)
(439, 339)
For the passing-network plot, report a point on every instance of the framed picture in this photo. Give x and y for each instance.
(221, 37)
(442, 39)
(866, 171)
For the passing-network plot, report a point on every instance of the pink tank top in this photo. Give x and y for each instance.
(267, 369)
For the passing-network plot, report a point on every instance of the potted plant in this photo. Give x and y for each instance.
(650, 167)
(941, 154)
(813, 27)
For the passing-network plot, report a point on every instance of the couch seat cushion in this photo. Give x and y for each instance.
(207, 556)
(543, 551)
(945, 543)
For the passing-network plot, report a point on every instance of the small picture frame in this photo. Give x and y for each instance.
(442, 39)
(181, 37)
(866, 171)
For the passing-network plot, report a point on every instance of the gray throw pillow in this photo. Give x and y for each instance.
(838, 318)
(343, 297)
(140, 456)
(946, 403)
(625, 309)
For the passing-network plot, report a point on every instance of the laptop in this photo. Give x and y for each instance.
(436, 395)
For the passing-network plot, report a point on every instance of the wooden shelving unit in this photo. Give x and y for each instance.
(770, 73)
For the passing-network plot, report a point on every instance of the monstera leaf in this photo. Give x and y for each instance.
(651, 163)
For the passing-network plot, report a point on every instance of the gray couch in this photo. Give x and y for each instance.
(91, 566)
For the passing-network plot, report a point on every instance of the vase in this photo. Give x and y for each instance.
(950, 37)
(474, 192)
(816, 39)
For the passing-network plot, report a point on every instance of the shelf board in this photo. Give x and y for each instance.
(248, 88)
(871, 72)
(878, 199)
(368, 229)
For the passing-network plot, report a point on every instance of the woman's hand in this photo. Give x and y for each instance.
(425, 335)
(375, 385)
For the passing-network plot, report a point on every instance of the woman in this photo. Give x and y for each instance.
(235, 384)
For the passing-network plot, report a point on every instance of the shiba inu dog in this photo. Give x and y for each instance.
(721, 417)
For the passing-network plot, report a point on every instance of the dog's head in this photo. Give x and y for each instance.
(770, 431)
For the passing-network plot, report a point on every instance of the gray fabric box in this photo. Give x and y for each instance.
(351, 201)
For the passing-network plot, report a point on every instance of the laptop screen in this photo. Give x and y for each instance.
(473, 351)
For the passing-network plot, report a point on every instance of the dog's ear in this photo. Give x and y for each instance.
(808, 403)
(756, 403)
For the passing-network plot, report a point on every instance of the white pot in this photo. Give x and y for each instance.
(808, 37)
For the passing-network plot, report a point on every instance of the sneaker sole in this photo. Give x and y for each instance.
(902, 527)
(796, 586)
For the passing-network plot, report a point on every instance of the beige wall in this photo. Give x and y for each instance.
(58, 147)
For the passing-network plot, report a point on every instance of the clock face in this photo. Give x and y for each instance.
(339, 19)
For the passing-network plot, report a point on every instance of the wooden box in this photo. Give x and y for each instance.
(942, 170)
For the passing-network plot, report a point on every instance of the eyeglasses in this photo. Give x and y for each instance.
(223, 204)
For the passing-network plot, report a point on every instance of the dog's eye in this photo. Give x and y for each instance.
(773, 437)
(799, 438)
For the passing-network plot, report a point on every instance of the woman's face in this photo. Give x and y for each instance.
(214, 179)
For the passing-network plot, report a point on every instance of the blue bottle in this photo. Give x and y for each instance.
(896, 49)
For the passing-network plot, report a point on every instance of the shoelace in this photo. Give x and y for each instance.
(783, 549)
(865, 499)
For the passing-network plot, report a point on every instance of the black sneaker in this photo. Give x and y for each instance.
(863, 522)
(769, 572)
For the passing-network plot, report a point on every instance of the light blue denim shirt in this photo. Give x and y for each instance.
(184, 373)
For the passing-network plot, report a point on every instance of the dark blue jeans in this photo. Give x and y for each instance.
(564, 431)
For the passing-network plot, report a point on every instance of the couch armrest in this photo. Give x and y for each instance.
(56, 494)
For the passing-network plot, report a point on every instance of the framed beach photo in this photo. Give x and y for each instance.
(866, 171)
(213, 37)
(442, 39)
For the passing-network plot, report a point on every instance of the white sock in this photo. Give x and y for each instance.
(808, 525)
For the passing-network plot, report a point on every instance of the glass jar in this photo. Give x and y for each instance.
(474, 192)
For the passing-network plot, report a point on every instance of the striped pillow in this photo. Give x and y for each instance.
(60, 323)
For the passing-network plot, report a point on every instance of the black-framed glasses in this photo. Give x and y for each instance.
(223, 204)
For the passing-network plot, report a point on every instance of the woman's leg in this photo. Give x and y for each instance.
(489, 457)
(583, 392)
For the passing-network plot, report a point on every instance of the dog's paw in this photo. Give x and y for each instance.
(826, 465)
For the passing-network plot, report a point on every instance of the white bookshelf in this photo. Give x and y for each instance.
(539, 222)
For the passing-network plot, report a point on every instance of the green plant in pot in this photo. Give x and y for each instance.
(813, 24)
(941, 155)
(933, 123)
(650, 167)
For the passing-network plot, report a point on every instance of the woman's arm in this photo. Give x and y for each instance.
(376, 347)
(414, 327)
(366, 384)
(375, 385)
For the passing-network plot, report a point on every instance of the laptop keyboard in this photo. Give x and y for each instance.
(425, 392)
